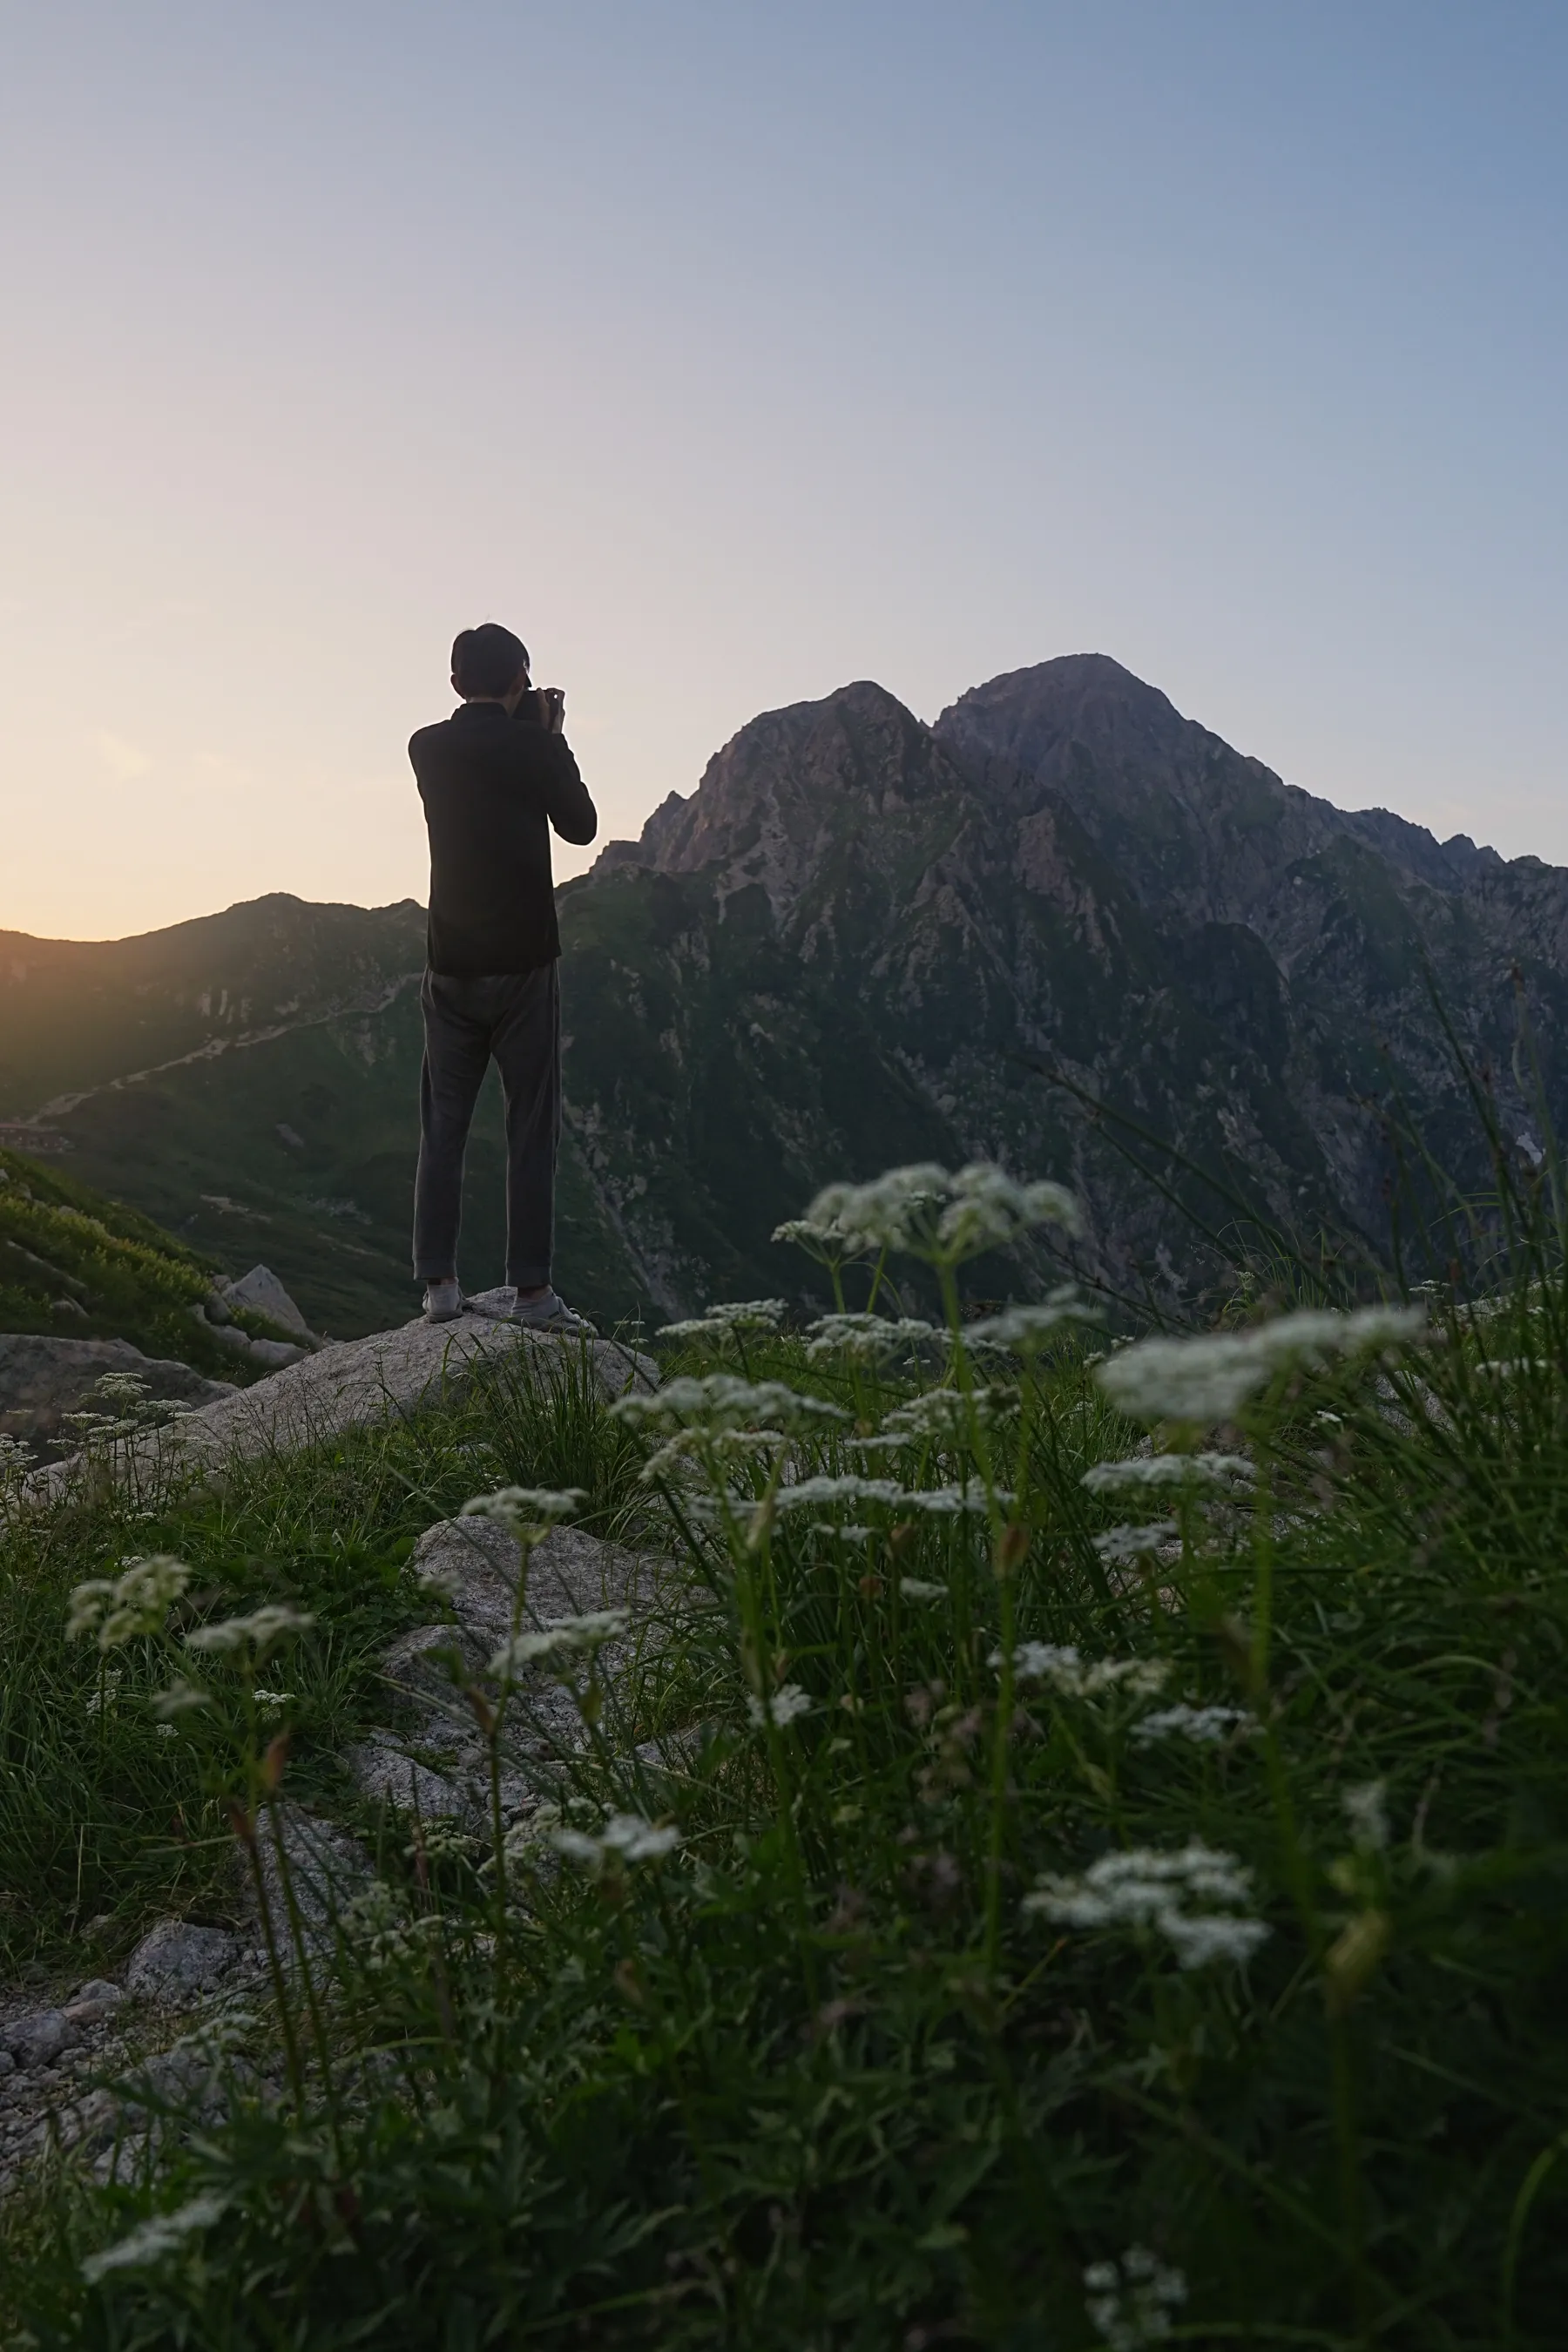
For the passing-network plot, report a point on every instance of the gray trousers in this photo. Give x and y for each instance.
(514, 1019)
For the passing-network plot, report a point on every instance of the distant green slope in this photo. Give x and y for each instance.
(76, 1266)
(251, 1081)
(301, 1151)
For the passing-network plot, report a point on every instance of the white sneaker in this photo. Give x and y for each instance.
(444, 1301)
(549, 1312)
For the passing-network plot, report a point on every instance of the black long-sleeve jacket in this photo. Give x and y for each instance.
(492, 787)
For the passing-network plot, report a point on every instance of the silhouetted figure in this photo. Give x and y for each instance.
(494, 778)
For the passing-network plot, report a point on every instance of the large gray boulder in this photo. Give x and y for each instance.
(42, 1379)
(356, 1382)
(262, 1291)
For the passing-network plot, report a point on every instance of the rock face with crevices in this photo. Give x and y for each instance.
(436, 1762)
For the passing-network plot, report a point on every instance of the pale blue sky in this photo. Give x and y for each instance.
(731, 352)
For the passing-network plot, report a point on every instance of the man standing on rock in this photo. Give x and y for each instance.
(494, 778)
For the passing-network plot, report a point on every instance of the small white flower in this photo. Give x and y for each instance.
(1366, 1809)
(920, 1587)
(731, 1315)
(1077, 1677)
(1123, 1545)
(947, 1502)
(273, 1700)
(868, 1339)
(520, 1508)
(947, 1415)
(1130, 2303)
(1150, 1886)
(820, 1237)
(1208, 1379)
(107, 1694)
(883, 1214)
(160, 2234)
(1196, 1470)
(1200, 1938)
(989, 1210)
(788, 1702)
(261, 1629)
(181, 1697)
(721, 1403)
(1024, 1327)
(822, 1492)
(136, 1601)
(1203, 1726)
(559, 1634)
(624, 1838)
(637, 1840)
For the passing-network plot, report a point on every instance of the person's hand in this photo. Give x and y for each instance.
(553, 704)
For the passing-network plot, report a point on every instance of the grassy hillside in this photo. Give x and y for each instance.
(77, 1264)
(1045, 1894)
(80, 1013)
(301, 1151)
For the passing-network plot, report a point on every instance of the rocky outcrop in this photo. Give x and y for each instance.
(434, 1761)
(262, 1291)
(42, 1379)
(347, 1386)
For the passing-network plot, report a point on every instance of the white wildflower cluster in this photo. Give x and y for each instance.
(1367, 1811)
(380, 1933)
(1220, 1472)
(121, 1389)
(1209, 1379)
(260, 1632)
(720, 1413)
(137, 1601)
(1205, 1726)
(821, 1494)
(626, 1838)
(946, 1416)
(526, 1510)
(1024, 1329)
(731, 1317)
(16, 1462)
(820, 1237)
(559, 1637)
(938, 1216)
(1129, 2302)
(1148, 1887)
(782, 1706)
(160, 2235)
(181, 1697)
(1121, 1546)
(865, 1339)
(720, 1400)
(1074, 1676)
(953, 1502)
(106, 1697)
(440, 1840)
(920, 1587)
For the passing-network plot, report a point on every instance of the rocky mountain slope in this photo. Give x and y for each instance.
(1063, 915)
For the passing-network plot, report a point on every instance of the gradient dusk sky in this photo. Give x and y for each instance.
(731, 352)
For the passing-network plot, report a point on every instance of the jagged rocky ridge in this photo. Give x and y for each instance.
(864, 940)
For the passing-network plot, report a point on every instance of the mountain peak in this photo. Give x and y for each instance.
(770, 800)
(1023, 715)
